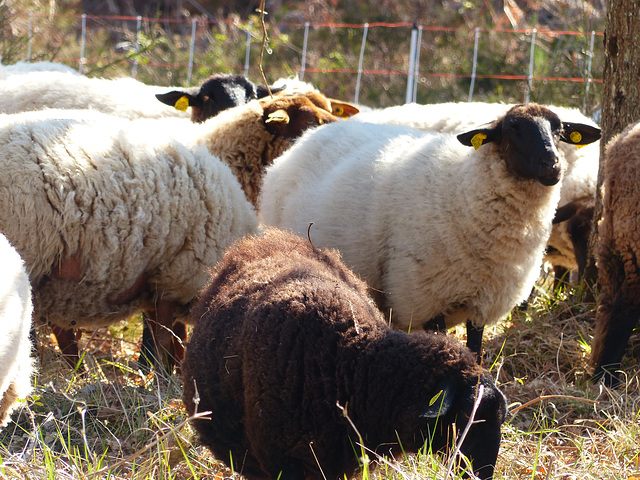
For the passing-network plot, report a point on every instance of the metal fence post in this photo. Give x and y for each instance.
(412, 63)
(134, 69)
(589, 60)
(247, 54)
(191, 50)
(475, 63)
(360, 62)
(416, 72)
(83, 42)
(30, 33)
(533, 45)
(303, 62)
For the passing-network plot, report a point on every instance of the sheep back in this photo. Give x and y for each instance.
(121, 97)
(108, 217)
(618, 250)
(16, 365)
(285, 335)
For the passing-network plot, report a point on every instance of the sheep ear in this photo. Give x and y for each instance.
(441, 402)
(565, 212)
(261, 91)
(179, 100)
(579, 134)
(343, 109)
(478, 137)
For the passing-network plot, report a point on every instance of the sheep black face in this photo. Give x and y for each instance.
(527, 137)
(218, 93)
(455, 406)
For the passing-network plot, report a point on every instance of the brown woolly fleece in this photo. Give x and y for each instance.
(617, 256)
(287, 337)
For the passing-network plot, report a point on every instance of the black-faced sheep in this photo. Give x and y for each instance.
(578, 184)
(617, 255)
(286, 336)
(435, 228)
(16, 366)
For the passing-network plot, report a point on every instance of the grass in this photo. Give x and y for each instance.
(112, 421)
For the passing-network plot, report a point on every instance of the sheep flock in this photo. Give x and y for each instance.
(298, 260)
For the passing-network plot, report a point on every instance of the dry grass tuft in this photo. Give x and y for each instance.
(112, 421)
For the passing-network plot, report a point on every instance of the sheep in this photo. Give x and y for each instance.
(579, 181)
(111, 219)
(443, 234)
(80, 280)
(288, 349)
(221, 92)
(122, 97)
(16, 365)
(23, 68)
(617, 253)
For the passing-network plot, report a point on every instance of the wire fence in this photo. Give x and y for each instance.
(390, 63)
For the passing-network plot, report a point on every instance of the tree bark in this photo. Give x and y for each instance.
(620, 98)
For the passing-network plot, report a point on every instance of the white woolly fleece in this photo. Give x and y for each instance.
(122, 97)
(437, 226)
(16, 365)
(121, 200)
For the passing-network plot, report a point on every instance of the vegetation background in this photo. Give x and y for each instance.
(110, 420)
(161, 49)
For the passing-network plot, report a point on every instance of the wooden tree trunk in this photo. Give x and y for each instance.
(621, 94)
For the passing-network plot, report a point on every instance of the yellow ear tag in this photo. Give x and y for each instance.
(477, 140)
(576, 137)
(182, 103)
(338, 111)
(279, 116)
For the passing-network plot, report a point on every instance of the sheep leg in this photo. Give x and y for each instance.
(160, 321)
(623, 319)
(146, 359)
(474, 340)
(560, 276)
(179, 339)
(67, 340)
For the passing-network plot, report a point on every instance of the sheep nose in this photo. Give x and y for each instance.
(550, 175)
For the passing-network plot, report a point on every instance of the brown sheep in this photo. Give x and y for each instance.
(617, 255)
(287, 337)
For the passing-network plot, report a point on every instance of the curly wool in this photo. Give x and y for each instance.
(285, 335)
(16, 364)
(109, 217)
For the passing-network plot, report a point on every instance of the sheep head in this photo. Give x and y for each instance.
(219, 92)
(289, 116)
(527, 137)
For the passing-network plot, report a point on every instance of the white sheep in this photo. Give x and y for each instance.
(16, 365)
(94, 174)
(22, 67)
(122, 97)
(436, 228)
(111, 217)
(579, 181)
